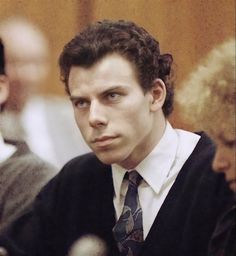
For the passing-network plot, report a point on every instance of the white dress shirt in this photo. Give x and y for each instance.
(6, 150)
(159, 171)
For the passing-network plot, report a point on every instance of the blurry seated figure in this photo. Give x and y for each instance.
(47, 121)
(208, 100)
(22, 173)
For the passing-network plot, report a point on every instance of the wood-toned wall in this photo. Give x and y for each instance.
(186, 28)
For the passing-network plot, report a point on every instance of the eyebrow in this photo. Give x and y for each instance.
(114, 88)
(110, 89)
(71, 97)
(226, 140)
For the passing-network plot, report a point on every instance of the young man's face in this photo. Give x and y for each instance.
(112, 112)
(225, 158)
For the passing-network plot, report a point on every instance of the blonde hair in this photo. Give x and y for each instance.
(207, 98)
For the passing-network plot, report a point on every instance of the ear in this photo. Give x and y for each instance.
(158, 95)
(4, 89)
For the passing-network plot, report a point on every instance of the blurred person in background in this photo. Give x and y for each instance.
(45, 122)
(22, 173)
(208, 101)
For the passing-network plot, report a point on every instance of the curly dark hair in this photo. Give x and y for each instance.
(127, 39)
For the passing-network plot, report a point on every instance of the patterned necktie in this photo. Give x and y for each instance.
(128, 231)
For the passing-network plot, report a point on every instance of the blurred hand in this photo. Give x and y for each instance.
(89, 245)
(3, 252)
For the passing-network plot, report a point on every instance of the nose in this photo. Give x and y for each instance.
(97, 116)
(220, 162)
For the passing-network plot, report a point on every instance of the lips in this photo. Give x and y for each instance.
(103, 140)
(232, 181)
(232, 185)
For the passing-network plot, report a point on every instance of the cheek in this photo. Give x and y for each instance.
(137, 109)
(232, 157)
(136, 123)
(80, 121)
(76, 117)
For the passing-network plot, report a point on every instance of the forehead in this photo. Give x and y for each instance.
(113, 69)
(223, 132)
(219, 118)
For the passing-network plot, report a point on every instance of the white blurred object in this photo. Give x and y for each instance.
(51, 131)
(89, 245)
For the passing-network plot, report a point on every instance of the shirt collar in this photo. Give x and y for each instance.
(155, 168)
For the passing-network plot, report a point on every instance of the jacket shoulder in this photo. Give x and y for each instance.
(83, 169)
(84, 163)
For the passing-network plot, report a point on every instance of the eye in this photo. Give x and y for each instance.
(112, 96)
(81, 103)
(230, 143)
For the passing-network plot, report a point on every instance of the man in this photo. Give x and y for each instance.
(211, 89)
(45, 119)
(22, 174)
(147, 189)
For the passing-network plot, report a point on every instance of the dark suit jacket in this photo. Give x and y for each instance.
(22, 176)
(79, 200)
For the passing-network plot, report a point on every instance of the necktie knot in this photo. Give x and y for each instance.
(134, 178)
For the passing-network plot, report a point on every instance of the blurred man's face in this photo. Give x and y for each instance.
(27, 64)
(225, 158)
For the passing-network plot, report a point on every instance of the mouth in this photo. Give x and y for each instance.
(104, 141)
(231, 180)
(232, 184)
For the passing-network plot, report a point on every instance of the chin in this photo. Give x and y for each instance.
(107, 160)
(108, 157)
(232, 186)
